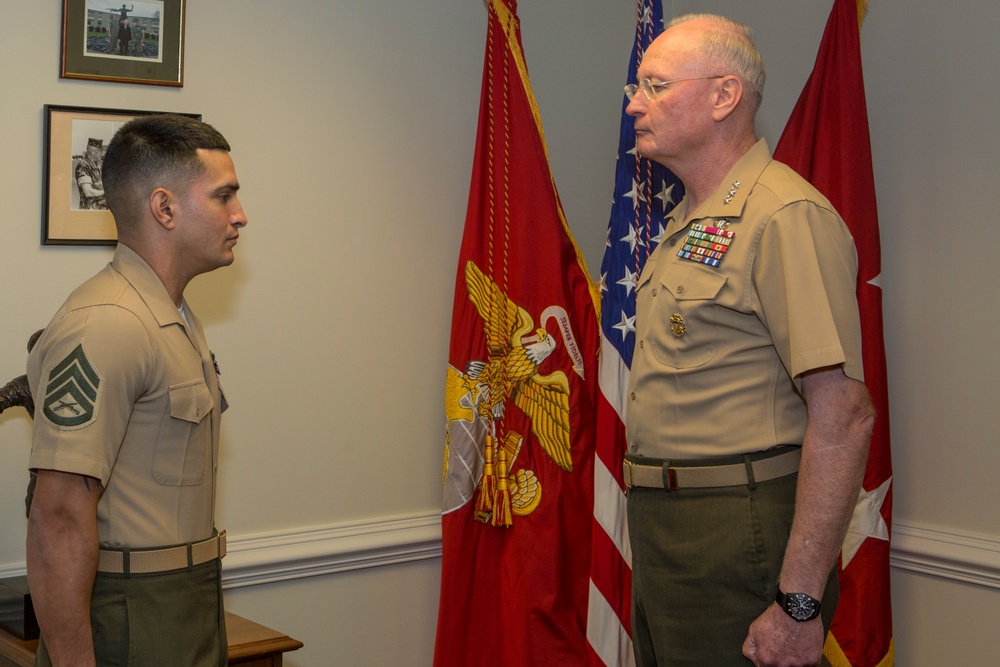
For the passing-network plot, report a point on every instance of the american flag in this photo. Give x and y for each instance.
(644, 193)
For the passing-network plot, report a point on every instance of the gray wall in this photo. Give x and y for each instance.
(353, 126)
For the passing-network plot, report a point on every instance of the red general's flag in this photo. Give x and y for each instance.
(520, 399)
(826, 140)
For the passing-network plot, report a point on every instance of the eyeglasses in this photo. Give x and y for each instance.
(651, 88)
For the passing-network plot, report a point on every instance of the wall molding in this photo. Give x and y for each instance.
(263, 558)
(946, 553)
(295, 554)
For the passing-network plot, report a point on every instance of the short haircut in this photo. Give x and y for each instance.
(730, 44)
(150, 152)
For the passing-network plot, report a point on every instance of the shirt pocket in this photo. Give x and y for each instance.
(184, 445)
(686, 334)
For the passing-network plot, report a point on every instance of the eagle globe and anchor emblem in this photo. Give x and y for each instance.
(480, 455)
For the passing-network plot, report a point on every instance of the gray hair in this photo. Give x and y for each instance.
(731, 44)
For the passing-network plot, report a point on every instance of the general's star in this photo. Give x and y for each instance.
(876, 281)
(626, 326)
(867, 521)
(628, 282)
(603, 284)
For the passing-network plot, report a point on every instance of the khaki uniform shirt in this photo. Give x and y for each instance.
(127, 392)
(720, 349)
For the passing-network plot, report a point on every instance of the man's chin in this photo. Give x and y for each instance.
(640, 139)
(224, 260)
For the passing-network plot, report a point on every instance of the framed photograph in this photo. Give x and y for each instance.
(138, 42)
(74, 211)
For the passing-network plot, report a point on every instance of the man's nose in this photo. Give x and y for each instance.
(636, 105)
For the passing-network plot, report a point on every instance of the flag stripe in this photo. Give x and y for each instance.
(605, 632)
(609, 510)
(607, 572)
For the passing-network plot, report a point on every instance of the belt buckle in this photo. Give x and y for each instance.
(627, 474)
(669, 477)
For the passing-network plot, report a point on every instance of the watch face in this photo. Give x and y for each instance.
(800, 606)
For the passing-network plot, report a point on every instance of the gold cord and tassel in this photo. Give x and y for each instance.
(501, 504)
(487, 486)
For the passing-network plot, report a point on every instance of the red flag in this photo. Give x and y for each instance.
(827, 141)
(520, 399)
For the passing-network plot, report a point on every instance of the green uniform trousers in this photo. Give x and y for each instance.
(152, 620)
(705, 565)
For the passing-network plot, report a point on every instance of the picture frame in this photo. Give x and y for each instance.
(73, 208)
(150, 49)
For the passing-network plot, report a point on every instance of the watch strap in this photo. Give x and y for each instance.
(800, 607)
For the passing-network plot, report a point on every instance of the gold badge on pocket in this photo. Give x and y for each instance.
(677, 327)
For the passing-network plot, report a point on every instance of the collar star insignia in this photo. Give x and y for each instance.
(732, 193)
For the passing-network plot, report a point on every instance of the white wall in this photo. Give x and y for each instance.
(353, 126)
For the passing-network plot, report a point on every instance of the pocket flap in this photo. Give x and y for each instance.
(190, 401)
(695, 282)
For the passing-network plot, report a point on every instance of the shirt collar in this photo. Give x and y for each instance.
(730, 197)
(138, 273)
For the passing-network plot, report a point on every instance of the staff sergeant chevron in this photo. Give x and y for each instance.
(72, 394)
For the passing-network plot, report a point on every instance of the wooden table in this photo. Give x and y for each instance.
(250, 645)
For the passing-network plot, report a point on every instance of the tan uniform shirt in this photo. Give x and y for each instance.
(719, 349)
(127, 392)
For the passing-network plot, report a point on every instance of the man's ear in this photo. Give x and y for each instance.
(727, 97)
(161, 203)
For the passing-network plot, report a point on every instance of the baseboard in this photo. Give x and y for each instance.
(308, 552)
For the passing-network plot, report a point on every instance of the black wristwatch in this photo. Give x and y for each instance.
(799, 606)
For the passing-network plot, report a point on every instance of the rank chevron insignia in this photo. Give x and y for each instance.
(72, 392)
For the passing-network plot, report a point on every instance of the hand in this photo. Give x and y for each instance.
(776, 640)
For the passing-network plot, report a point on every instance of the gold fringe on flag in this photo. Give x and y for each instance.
(835, 655)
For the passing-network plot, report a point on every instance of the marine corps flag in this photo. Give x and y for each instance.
(520, 397)
(826, 140)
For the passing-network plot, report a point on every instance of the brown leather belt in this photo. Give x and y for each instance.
(147, 561)
(673, 475)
